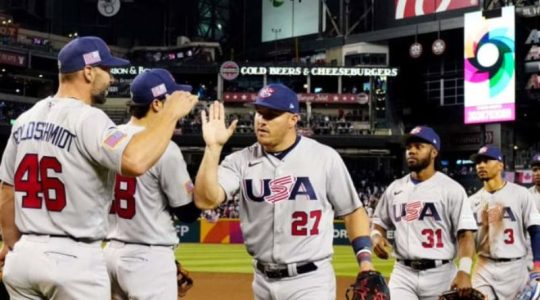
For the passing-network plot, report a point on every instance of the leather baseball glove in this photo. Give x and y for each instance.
(369, 285)
(185, 282)
(466, 294)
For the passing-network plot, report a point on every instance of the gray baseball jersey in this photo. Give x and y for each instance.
(58, 159)
(287, 206)
(141, 204)
(509, 212)
(425, 216)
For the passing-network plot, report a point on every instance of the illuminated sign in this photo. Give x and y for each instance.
(489, 67)
(414, 8)
(319, 71)
(133, 70)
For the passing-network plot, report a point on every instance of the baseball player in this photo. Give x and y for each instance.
(291, 187)
(55, 172)
(143, 229)
(431, 219)
(504, 212)
(535, 189)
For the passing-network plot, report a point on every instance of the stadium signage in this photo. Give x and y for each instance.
(133, 70)
(13, 59)
(8, 30)
(318, 71)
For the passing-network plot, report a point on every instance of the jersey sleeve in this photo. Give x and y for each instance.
(381, 215)
(229, 175)
(174, 178)
(461, 214)
(7, 168)
(530, 213)
(101, 141)
(340, 187)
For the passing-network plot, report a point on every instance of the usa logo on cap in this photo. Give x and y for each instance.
(91, 57)
(266, 92)
(159, 90)
(416, 130)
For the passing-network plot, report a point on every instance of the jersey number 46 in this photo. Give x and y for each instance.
(33, 178)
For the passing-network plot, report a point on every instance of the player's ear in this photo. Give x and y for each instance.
(294, 119)
(88, 73)
(434, 152)
(156, 105)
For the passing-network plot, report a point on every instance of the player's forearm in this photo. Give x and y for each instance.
(208, 193)
(466, 244)
(466, 249)
(357, 224)
(10, 232)
(147, 146)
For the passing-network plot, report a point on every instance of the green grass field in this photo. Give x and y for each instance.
(233, 258)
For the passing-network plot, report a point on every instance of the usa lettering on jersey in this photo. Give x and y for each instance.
(44, 131)
(416, 210)
(495, 214)
(278, 189)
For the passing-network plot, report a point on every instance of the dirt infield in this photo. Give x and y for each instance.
(234, 286)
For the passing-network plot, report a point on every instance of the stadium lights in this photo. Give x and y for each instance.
(73, 35)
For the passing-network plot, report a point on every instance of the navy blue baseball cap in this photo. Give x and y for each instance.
(278, 97)
(425, 134)
(535, 160)
(490, 152)
(154, 84)
(87, 51)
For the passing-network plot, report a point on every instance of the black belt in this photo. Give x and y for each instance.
(423, 264)
(81, 240)
(501, 259)
(141, 244)
(283, 271)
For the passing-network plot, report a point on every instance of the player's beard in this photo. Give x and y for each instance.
(99, 97)
(419, 164)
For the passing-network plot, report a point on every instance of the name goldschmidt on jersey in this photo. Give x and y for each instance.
(44, 131)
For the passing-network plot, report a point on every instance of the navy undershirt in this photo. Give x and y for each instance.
(281, 154)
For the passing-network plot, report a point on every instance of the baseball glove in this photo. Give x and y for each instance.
(369, 285)
(185, 282)
(466, 294)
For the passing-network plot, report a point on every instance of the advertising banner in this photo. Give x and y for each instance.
(489, 65)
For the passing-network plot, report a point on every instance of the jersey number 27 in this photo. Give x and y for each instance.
(32, 177)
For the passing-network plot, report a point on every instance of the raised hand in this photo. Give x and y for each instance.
(180, 103)
(215, 131)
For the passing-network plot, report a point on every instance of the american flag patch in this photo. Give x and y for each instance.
(114, 138)
(159, 90)
(188, 186)
(91, 57)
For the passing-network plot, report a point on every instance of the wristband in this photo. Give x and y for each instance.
(465, 264)
(363, 255)
(374, 233)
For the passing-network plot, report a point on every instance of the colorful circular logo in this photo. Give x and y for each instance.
(490, 58)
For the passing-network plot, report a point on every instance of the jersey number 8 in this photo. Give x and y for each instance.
(32, 177)
(124, 197)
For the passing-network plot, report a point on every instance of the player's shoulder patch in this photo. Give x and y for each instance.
(114, 138)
